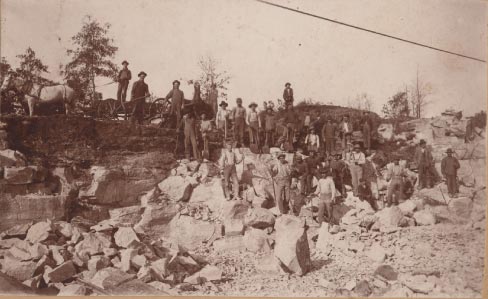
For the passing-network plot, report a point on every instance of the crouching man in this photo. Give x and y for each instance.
(228, 162)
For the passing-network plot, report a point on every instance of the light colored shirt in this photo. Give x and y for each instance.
(346, 127)
(222, 114)
(312, 139)
(325, 186)
(205, 126)
(395, 172)
(239, 112)
(281, 170)
(354, 157)
(228, 159)
(306, 122)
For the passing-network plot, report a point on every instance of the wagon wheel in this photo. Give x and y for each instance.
(159, 108)
(109, 109)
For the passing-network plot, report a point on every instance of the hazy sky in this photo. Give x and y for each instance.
(262, 47)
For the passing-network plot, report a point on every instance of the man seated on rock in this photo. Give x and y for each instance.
(395, 175)
(227, 162)
(281, 173)
(326, 192)
(365, 193)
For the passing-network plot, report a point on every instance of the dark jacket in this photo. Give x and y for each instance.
(288, 94)
(177, 99)
(139, 90)
(124, 75)
(423, 159)
(449, 166)
(328, 131)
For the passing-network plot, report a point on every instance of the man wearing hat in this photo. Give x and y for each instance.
(222, 116)
(239, 116)
(326, 191)
(396, 174)
(288, 94)
(312, 141)
(254, 123)
(339, 168)
(345, 128)
(281, 173)
(123, 78)
(177, 101)
(425, 162)
(139, 92)
(228, 161)
(356, 160)
(328, 135)
(449, 168)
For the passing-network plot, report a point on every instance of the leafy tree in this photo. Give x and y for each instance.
(210, 74)
(31, 68)
(397, 107)
(91, 57)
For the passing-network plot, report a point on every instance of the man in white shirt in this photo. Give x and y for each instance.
(326, 190)
(227, 162)
(346, 131)
(356, 160)
(281, 173)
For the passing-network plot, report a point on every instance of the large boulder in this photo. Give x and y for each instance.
(10, 158)
(93, 243)
(125, 236)
(425, 217)
(461, 206)
(113, 186)
(110, 278)
(257, 240)
(209, 192)
(24, 174)
(390, 217)
(39, 232)
(259, 218)
(190, 232)
(23, 209)
(156, 218)
(291, 246)
(176, 188)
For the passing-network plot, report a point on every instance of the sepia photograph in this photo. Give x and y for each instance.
(265, 148)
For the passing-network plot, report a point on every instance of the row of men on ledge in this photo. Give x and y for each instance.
(330, 174)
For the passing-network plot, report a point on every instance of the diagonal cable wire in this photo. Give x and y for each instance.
(370, 31)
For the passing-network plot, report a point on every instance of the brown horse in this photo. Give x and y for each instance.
(38, 95)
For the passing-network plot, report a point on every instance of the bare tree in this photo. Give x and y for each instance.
(419, 91)
(210, 74)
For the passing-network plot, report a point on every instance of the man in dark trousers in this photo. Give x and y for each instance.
(313, 169)
(190, 136)
(177, 101)
(239, 115)
(270, 126)
(302, 172)
(281, 173)
(123, 78)
(366, 128)
(228, 161)
(139, 92)
(288, 95)
(328, 136)
(291, 118)
(425, 161)
(339, 169)
(449, 168)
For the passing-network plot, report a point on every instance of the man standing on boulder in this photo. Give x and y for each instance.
(177, 101)
(139, 92)
(228, 161)
(449, 168)
(288, 95)
(425, 161)
(191, 136)
(123, 78)
(356, 160)
(282, 180)
(239, 116)
(328, 136)
(396, 173)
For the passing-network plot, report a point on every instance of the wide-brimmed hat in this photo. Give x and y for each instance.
(298, 158)
(422, 141)
(142, 73)
(176, 81)
(287, 84)
(223, 104)
(269, 109)
(281, 155)
(356, 146)
(125, 62)
(449, 151)
(253, 104)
